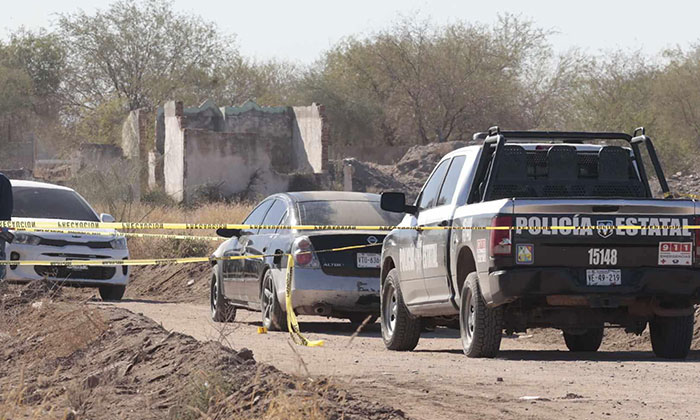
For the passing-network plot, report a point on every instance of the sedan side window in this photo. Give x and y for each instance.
(273, 217)
(257, 215)
(429, 196)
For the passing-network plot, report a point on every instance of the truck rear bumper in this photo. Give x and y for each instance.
(503, 286)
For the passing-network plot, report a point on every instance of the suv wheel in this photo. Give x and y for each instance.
(479, 326)
(113, 293)
(273, 317)
(221, 309)
(400, 330)
(588, 340)
(671, 336)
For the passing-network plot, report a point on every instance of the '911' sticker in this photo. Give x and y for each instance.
(675, 253)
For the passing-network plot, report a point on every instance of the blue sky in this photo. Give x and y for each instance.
(300, 30)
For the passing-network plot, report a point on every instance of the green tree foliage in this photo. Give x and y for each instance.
(142, 52)
(416, 83)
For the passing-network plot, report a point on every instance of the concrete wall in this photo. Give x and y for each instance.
(231, 163)
(310, 137)
(246, 149)
(174, 148)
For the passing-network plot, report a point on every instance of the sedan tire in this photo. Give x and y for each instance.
(400, 330)
(221, 309)
(588, 341)
(273, 317)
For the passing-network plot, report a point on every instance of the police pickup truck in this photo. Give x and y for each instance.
(543, 229)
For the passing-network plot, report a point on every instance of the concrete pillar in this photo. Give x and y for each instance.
(347, 175)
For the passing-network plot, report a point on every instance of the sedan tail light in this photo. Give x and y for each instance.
(501, 241)
(304, 254)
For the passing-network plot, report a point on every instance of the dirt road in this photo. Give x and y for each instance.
(533, 377)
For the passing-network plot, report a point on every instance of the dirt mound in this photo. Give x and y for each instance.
(70, 360)
(172, 282)
(407, 175)
(419, 161)
(683, 182)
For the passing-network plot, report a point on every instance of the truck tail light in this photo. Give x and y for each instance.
(501, 238)
(303, 252)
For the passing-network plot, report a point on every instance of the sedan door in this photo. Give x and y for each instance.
(260, 245)
(234, 271)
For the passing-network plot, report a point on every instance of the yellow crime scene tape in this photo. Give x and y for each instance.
(127, 234)
(292, 323)
(70, 226)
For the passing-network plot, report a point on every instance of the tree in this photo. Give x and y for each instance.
(417, 83)
(142, 52)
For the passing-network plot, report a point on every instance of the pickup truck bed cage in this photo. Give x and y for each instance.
(494, 144)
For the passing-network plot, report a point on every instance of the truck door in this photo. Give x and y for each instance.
(435, 243)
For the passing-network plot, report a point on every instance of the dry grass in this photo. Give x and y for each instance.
(169, 248)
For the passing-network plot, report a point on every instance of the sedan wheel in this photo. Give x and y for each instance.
(273, 317)
(221, 309)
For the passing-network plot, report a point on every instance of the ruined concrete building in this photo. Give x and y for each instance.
(234, 150)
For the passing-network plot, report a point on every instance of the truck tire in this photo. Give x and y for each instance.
(400, 330)
(479, 326)
(112, 293)
(671, 336)
(274, 318)
(221, 309)
(589, 341)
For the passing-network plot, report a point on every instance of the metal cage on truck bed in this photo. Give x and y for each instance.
(560, 170)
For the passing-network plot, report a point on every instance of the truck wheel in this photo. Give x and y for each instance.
(671, 336)
(400, 330)
(588, 341)
(479, 325)
(221, 309)
(273, 317)
(112, 293)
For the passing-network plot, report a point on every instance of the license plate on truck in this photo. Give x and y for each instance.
(601, 277)
(367, 260)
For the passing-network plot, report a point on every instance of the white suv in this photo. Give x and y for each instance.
(40, 201)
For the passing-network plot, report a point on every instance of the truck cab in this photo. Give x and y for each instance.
(542, 229)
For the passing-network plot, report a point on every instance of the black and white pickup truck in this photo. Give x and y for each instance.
(628, 259)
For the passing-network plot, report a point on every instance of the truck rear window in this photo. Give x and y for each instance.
(562, 171)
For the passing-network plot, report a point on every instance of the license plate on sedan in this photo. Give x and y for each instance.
(604, 277)
(367, 260)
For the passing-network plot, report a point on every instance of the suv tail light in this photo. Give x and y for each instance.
(304, 254)
(501, 238)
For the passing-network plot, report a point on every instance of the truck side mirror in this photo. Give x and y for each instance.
(396, 202)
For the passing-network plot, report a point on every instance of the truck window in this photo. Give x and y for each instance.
(429, 195)
(448, 187)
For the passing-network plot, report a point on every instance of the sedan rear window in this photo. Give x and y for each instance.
(49, 203)
(339, 212)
